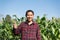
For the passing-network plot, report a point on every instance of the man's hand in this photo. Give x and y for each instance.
(15, 25)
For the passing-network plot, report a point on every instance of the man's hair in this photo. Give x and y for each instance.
(29, 11)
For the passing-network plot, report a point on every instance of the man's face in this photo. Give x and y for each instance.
(30, 16)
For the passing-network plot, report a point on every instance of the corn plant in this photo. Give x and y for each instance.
(50, 29)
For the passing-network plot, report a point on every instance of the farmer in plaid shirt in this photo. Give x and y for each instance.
(29, 29)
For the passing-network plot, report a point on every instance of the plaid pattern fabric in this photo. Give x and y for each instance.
(28, 32)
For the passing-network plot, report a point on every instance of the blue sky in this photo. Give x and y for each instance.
(18, 7)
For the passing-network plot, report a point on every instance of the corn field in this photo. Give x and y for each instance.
(50, 29)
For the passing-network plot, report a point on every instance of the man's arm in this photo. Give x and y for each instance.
(38, 34)
(17, 30)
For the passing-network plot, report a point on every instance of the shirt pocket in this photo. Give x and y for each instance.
(24, 30)
(33, 29)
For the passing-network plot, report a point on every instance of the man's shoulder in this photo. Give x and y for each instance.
(22, 23)
(35, 23)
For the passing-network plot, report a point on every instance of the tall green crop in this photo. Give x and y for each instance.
(50, 29)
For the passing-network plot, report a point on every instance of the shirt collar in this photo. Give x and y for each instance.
(27, 22)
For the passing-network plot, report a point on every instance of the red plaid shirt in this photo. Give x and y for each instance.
(28, 32)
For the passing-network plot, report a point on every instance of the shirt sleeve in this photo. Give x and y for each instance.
(18, 30)
(38, 33)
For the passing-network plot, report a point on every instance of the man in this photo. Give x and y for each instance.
(29, 29)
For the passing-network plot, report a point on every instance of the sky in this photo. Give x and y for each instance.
(40, 7)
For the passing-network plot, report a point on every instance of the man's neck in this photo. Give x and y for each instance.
(30, 22)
